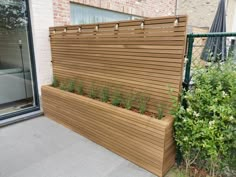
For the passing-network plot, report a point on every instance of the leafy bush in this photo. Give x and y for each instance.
(128, 101)
(116, 100)
(55, 82)
(206, 130)
(142, 103)
(12, 15)
(80, 88)
(92, 92)
(104, 95)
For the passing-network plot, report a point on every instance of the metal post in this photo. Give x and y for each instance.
(189, 61)
(23, 68)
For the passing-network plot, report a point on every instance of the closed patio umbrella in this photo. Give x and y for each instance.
(215, 48)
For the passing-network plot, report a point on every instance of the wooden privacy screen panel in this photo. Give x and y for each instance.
(132, 56)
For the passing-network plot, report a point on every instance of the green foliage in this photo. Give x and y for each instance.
(104, 95)
(68, 86)
(71, 86)
(142, 103)
(207, 128)
(117, 98)
(128, 101)
(63, 86)
(55, 82)
(80, 88)
(92, 91)
(176, 172)
(160, 111)
(12, 15)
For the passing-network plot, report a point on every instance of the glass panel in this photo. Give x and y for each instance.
(81, 14)
(16, 85)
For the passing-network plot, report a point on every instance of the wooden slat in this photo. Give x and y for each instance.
(120, 46)
(92, 42)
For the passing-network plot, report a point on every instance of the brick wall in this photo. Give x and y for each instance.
(201, 13)
(147, 8)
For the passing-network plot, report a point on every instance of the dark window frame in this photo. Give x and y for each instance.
(33, 69)
(132, 16)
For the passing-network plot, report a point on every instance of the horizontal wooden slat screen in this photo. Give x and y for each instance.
(140, 56)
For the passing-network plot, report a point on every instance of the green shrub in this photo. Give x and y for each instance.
(205, 131)
(92, 92)
(104, 95)
(160, 111)
(55, 82)
(117, 98)
(80, 88)
(142, 103)
(128, 101)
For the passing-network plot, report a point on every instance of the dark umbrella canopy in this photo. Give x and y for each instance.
(215, 48)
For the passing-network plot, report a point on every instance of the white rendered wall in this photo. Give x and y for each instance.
(41, 12)
(234, 19)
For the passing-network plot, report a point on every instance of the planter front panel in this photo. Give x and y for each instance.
(143, 140)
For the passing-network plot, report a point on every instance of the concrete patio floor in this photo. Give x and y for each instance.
(42, 148)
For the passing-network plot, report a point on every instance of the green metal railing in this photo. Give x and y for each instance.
(195, 45)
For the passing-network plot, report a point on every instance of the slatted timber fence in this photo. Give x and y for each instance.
(139, 56)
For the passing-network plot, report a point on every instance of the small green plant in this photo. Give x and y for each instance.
(55, 82)
(142, 103)
(71, 86)
(80, 88)
(160, 111)
(92, 92)
(68, 86)
(63, 86)
(104, 95)
(128, 101)
(116, 100)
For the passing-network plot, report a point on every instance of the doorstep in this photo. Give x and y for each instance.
(20, 118)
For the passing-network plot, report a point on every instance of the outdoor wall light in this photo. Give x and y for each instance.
(116, 26)
(96, 28)
(65, 30)
(176, 22)
(142, 25)
(54, 31)
(138, 1)
(79, 29)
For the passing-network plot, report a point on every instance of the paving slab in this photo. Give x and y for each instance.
(41, 147)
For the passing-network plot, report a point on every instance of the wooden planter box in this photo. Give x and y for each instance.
(143, 140)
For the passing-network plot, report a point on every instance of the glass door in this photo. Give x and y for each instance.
(17, 77)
